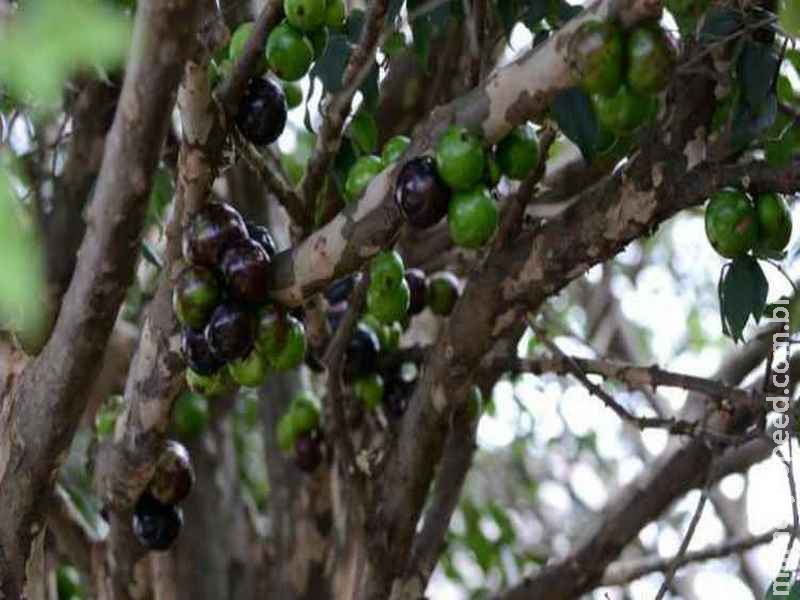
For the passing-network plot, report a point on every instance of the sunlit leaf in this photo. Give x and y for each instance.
(49, 39)
(21, 266)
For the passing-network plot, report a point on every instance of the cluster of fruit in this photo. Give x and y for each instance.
(394, 296)
(736, 224)
(293, 45)
(455, 182)
(157, 518)
(371, 372)
(231, 335)
(624, 71)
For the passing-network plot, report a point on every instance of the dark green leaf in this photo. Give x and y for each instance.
(345, 159)
(720, 22)
(160, 195)
(749, 124)
(757, 67)
(422, 40)
(393, 9)
(529, 12)
(354, 25)
(742, 293)
(150, 254)
(331, 65)
(574, 113)
(369, 89)
(566, 10)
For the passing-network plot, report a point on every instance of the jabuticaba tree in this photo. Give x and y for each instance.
(267, 266)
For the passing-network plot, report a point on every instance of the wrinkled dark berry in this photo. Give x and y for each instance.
(417, 285)
(231, 332)
(174, 475)
(262, 111)
(362, 353)
(308, 450)
(209, 233)
(245, 266)
(260, 235)
(198, 354)
(156, 525)
(340, 290)
(420, 193)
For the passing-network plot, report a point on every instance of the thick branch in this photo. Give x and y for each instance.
(520, 91)
(64, 226)
(38, 421)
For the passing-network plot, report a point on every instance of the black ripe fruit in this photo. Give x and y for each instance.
(209, 233)
(156, 525)
(198, 354)
(308, 451)
(174, 476)
(418, 286)
(245, 267)
(420, 193)
(231, 332)
(262, 112)
(362, 353)
(260, 235)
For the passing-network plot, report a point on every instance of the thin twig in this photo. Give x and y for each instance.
(621, 573)
(628, 374)
(334, 360)
(671, 424)
(515, 209)
(271, 173)
(676, 560)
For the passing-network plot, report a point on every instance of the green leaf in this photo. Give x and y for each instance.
(363, 131)
(21, 265)
(150, 254)
(331, 65)
(160, 196)
(742, 293)
(530, 12)
(750, 123)
(345, 159)
(790, 17)
(757, 67)
(425, 26)
(354, 25)
(720, 22)
(779, 591)
(49, 39)
(574, 113)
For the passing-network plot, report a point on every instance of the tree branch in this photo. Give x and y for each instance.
(269, 171)
(38, 421)
(625, 572)
(520, 91)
